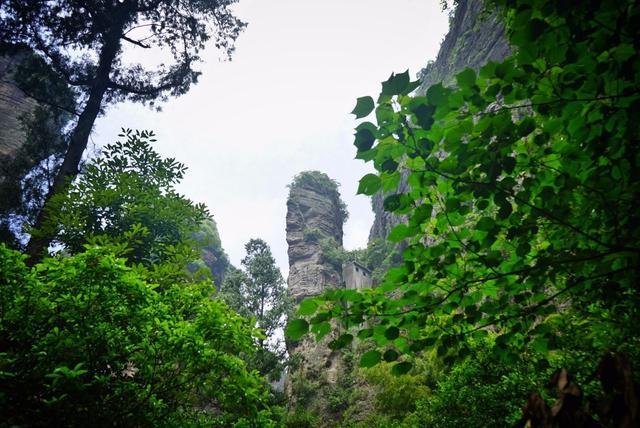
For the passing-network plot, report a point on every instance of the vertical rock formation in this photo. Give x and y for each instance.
(35, 106)
(315, 213)
(476, 36)
(212, 255)
(14, 103)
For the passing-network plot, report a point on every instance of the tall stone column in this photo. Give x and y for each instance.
(315, 213)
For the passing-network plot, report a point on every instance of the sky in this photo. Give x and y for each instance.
(282, 105)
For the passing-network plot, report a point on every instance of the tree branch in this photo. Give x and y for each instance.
(135, 42)
(148, 90)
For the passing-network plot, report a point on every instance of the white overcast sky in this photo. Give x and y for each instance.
(282, 106)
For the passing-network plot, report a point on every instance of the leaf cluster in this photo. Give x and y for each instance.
(522, 199)
(127, 197)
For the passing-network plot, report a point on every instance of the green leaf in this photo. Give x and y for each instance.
(365, 333)
(364, 139)
(392, 202)
(396, 84)
(424, 113)
(392, 333)
(540, 345)
(437, 95)
(401, 368)
(364, 106)
(485, 223)
(390, 355)
(389, 166)
(370, 359)
(526, 126)
(488, 70)
(466, 78)
(369, 185)
(320, 317)
(307, 307)
(341, 342)
(399, 233)
(296, 329)
(321, 329)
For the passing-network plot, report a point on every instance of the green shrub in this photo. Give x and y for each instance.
(87, 341)
(302, 419)
(480, 391)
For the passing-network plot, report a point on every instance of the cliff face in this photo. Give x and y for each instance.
(314, 212)
(14, 103)
(30, 132)
(476, 37)
(212, 254)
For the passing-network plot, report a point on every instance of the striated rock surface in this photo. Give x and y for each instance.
(476, 36)
(14, 103)
(315, 212)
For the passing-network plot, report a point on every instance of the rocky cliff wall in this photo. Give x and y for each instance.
(30, 132)
(476, 36)
(315, 212)
(14, 103)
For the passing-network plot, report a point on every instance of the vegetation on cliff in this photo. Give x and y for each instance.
(522, 206)
(320, 182)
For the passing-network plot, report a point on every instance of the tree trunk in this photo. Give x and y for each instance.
(40, 240)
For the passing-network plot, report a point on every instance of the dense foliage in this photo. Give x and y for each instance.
(523, 197)
(127, 197)
(116, 330)
(88, 341)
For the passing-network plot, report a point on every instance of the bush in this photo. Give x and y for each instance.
(480, 391)
(302, 419)
(396, 396)
(87, 341)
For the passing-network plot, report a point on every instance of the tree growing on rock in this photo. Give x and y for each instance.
(83, 41)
